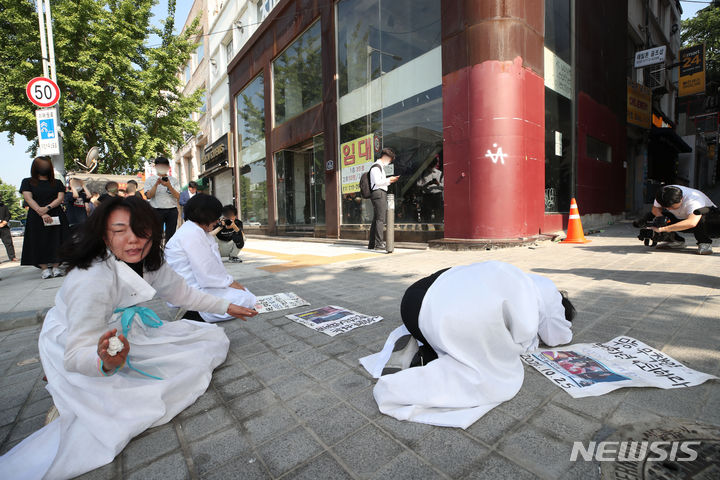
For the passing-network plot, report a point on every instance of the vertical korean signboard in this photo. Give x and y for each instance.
(356, 157)
(692, 71)
(639, 104)
(47, 131)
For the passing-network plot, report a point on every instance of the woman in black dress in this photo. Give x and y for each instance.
(44, 194)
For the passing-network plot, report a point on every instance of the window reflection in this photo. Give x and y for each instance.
(297, 76)
(250, 132)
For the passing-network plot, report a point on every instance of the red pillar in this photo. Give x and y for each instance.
(493, 118)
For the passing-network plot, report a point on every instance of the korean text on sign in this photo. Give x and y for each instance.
(355, 157)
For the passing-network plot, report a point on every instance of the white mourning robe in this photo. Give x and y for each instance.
(193, 253)
(479, 319)
(99, 415)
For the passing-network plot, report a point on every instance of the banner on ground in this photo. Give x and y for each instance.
(591, 369)
(332, 320)
(279, 301)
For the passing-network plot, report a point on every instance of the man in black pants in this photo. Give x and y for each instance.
(379, 183)
(5, 233)
(162, 191)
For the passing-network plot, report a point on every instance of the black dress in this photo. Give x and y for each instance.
(41, 244)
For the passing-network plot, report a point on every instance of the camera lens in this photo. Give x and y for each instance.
(228, 222)
(165, 179)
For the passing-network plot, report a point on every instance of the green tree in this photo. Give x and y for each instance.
(9, 196)
(705, 28)
(117, 92)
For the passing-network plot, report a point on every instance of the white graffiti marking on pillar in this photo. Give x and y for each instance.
(498, 155)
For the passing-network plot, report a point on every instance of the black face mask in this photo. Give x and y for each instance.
(44, 171)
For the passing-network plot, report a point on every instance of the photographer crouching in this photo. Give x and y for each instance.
(229, 234)
(686, 210)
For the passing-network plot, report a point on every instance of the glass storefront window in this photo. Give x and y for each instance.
(376, 37)
(383, 44)
(297, 76)
(250, 135)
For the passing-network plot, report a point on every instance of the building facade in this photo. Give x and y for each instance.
(187, 159)
(500, 112)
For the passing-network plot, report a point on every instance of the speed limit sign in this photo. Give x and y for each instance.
(43, 92)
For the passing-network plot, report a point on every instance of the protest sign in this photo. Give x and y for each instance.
(591, 369)
(332, 320)
(278, 301)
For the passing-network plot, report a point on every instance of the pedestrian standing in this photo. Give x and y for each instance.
(46, 227)
(76, 199)
(132, 190)
(379, 183)
(163, 196)
(5, 234)
(111, 190)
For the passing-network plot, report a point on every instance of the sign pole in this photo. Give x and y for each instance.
(48, 54)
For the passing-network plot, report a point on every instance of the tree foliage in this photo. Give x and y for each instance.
(8, 194)
(705, 28)
(117, 92)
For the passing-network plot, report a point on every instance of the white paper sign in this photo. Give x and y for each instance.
(279, 301)
(332, 320)
(591, 369)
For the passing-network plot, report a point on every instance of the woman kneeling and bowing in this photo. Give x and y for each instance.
(105, 398)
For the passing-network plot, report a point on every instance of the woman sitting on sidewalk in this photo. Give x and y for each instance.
(193, 253)
(104, 397)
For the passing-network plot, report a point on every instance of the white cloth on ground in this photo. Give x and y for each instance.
(100, 415)
(193, 253)
(479, 319)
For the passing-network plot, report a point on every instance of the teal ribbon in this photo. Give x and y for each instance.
(148, 317)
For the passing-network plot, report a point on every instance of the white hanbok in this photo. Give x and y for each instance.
(479, 319)
(99, 415)
(193, 253)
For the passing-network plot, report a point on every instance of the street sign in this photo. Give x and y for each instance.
(650, 56)
(43, 92)
(47, 131)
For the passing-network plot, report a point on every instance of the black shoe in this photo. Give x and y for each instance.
(402, 355)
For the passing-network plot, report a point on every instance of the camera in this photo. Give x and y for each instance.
(647, 235)
(164, 179)
(227, 222)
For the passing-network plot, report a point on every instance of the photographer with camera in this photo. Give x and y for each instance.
(229, 234)
(163, 196)
(687, 210)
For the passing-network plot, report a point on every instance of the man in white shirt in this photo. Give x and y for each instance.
(379, 183)
(193, 253)
(163, 194)
(688, 211)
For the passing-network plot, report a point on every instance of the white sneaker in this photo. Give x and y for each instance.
(402, 355)
(58, 272)
(704, 249)
(47, 273)
(673, 244)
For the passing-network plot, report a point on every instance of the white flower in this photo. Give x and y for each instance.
(115, 345)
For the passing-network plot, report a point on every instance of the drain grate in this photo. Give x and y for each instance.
(672, 450)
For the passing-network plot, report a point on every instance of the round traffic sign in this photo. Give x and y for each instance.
(43, 92)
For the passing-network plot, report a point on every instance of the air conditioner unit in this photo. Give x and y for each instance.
(654, 76)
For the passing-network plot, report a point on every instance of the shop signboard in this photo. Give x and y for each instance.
(692, 71)
(356, 157)
(217, 153)
(639, 104)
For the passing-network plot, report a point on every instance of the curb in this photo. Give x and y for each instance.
(11, 321)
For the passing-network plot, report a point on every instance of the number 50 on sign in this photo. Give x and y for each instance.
(43, 92)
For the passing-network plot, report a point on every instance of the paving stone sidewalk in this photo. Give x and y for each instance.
(293, 403)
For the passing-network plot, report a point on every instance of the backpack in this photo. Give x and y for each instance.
(365, 189)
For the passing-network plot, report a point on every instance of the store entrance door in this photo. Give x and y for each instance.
(300, 183)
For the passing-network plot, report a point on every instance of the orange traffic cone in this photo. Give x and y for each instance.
(575, 231)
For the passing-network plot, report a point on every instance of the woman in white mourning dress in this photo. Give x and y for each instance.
(474, 322)
(104, 400)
